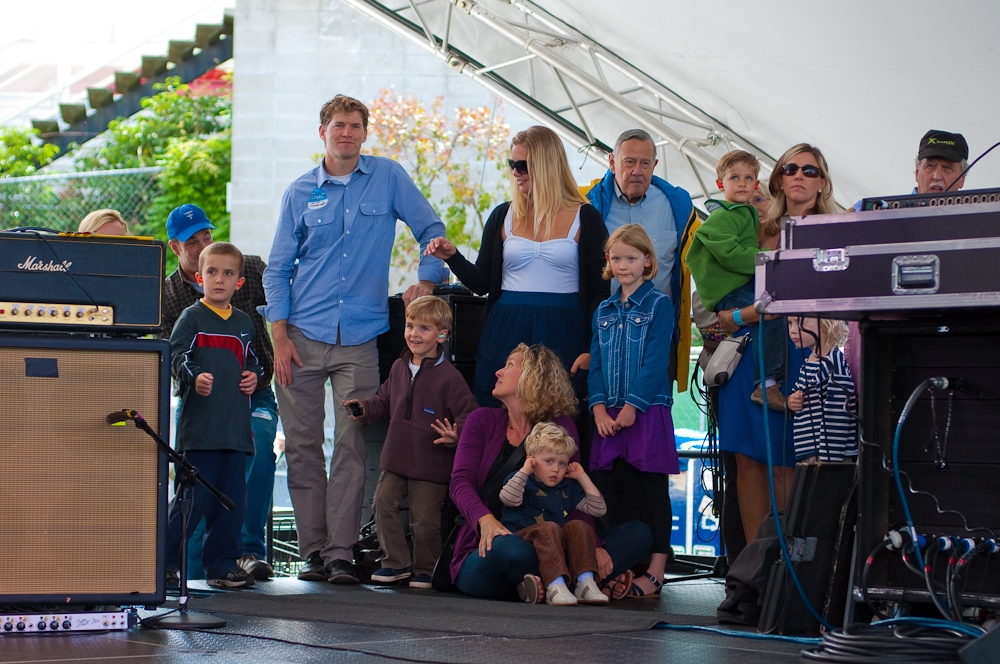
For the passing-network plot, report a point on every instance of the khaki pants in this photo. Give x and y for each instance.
(327, 507)
(425, 500)
(575, 543)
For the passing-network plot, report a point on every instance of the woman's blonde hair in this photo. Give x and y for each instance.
(544, 388)
(553, 187)
(549, 437)
(779, 206)
(98, 218)
(635, 236)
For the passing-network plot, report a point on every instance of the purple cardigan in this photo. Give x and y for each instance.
(478, 447)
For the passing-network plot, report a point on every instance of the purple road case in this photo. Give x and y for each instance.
(906, 260)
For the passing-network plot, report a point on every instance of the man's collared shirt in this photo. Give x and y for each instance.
(328, 271)
(654, 214)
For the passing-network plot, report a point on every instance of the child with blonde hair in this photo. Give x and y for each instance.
(824, 402)
(536, 501)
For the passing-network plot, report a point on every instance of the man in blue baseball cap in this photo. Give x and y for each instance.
(189, 231)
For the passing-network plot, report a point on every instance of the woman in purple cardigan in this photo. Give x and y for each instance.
(489, 561)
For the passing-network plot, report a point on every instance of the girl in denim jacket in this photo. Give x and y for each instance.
(631, 394)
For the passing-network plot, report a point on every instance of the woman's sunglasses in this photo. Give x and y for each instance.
(808, 170)
(520, 166)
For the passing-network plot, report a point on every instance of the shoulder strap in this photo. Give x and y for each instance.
(495, 481)
(576, 225)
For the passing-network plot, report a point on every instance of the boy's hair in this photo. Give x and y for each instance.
(549, 437)
(832, 332)
(220, 249)
(432, 309)
(343, 104)
(635, 236)
(734, 157)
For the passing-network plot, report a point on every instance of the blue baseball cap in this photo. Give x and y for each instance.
(185, 221)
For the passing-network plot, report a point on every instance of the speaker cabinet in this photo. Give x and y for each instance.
(84, 503)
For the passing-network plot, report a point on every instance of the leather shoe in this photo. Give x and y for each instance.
(312, 569)
(342, 571)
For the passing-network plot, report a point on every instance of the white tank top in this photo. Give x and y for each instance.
(552, 266)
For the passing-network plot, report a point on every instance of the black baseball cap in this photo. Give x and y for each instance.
(946, 145)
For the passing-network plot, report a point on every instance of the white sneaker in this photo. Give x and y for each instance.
(587, 592)
(559, 595)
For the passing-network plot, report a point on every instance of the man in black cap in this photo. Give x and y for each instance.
(941, 158)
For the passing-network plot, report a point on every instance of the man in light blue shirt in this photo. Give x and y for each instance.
(327, 284)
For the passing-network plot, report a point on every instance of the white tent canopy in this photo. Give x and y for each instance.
(861, 80)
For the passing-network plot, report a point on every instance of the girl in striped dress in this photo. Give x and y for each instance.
(823, 400)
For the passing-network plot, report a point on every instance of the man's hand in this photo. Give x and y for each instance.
(441, 248)
(248, 383)
(605, 425)
(489, 527)
(203, 384)
(418, 289)
(795, 401)
(447, 430)
(626, 417)
(284, 353)
(581, 362)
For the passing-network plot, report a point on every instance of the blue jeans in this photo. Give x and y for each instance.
(222, 544)
(496, 576)
(775, 336)
(260, 472)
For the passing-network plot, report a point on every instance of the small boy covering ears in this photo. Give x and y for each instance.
(537, 500)
(426, 400)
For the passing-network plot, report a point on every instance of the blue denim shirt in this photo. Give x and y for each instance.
(630, 351)
(329, 263)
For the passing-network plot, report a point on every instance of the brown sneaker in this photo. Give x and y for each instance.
(775, 399)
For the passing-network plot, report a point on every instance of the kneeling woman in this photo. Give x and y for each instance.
(489, 561)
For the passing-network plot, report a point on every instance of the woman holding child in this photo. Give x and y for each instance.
(489, 561)
(540, 262)
(799, 185)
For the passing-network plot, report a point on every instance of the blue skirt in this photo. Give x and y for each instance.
(741, 421)
(555, 320)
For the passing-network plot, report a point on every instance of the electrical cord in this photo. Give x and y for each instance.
(915, 639)
(967, 168)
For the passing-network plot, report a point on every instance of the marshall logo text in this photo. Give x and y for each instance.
(32, 264)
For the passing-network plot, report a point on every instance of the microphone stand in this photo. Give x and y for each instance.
(187, 477)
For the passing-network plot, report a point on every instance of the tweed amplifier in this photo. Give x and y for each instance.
(69, 282)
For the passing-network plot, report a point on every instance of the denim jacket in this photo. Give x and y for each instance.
(630, 351)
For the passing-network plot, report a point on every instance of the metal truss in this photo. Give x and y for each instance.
(565, 79)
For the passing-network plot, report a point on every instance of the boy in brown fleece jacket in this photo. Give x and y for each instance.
(426, 400)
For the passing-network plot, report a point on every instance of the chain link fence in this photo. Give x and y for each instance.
(59, 201)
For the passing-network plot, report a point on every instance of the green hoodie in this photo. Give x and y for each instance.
(723, 251)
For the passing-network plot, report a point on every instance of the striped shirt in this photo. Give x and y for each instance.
(826, 426)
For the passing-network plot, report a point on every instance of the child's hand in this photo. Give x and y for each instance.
(529, 466)
(626, 417)
(350, 411)
(203, 384)
(248, 383)
(575, 471)
(605, 425)
(795, 401)
(581, 362)
(447, 431)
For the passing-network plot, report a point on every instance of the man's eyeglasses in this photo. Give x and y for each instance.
(808, 170)
(520, 166)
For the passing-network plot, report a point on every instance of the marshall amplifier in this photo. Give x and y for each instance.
(897, 260)
(68, 282)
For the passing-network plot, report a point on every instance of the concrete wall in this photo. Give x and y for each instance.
(290, 57)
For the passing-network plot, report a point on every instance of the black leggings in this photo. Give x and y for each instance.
(644, 497)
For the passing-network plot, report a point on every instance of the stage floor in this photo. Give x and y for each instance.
(286, 620)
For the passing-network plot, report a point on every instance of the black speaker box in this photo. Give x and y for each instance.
(84, 502)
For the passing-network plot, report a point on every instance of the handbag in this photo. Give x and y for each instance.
(441, 576)
(724, 360)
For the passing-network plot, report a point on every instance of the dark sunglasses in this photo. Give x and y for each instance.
(808, 170)
(520, 166)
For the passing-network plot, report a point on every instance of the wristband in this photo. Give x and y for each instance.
(737, 318)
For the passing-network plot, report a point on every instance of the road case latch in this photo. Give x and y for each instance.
(831, 260)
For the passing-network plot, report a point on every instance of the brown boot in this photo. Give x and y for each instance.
(775, 399)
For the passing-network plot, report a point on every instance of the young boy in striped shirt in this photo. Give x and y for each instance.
(824, 402)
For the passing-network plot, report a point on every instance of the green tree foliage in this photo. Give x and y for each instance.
(19, 155)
